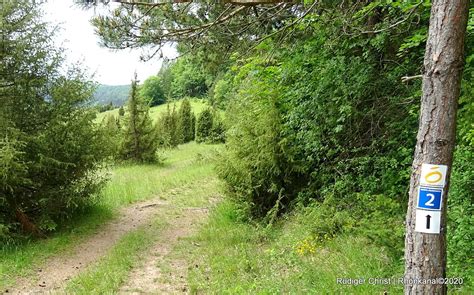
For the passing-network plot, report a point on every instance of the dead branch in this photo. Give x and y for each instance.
(408, 78)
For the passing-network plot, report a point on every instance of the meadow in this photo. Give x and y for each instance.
(227, 255)
(197, 105)
(184, 178)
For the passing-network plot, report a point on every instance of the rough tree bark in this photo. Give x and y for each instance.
(425, 254)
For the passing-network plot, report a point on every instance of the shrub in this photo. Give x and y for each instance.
(166, 129)
(254, 166)
(121, 111)
(50, 148)
(112, 132)
(210, 128)
(185, 124)
(222, 92)
(218, 130)
(204, 125)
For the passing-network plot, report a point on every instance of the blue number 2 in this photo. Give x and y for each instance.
(430, 198)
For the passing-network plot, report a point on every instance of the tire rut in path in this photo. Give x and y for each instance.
(53, 275)
(152, 277)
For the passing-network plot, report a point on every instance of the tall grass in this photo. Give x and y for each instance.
(182, 169)
(240, 258)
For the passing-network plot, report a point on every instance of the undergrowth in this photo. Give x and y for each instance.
(299, 254)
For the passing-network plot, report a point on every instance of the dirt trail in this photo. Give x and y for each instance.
(55, 273)
(160, 273)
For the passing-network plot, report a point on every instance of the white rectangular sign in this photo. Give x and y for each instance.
(433, 175)
(428, 221)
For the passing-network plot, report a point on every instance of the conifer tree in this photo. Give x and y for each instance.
(50, 148)
(193, 127)
(204, 126)
(121, 111)
(139, 140)
(173, 127)
(111, 129)
(166, 128)
(185, 122)
(218, 130)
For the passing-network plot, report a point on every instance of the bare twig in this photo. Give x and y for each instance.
(287, 26)
(408, 78)
(396, 23)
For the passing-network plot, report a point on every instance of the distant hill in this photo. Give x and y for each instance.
(117, 94)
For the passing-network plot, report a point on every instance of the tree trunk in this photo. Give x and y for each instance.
(425, 253)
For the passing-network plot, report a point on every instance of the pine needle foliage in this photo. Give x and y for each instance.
(204, 126)
(167, 128)
(111, 129)
(139, 140)
(50, 149)
(185, 122)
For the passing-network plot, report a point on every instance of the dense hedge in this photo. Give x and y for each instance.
(326, 121)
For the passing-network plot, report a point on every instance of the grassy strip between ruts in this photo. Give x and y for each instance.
(183, 166)
(111, 271)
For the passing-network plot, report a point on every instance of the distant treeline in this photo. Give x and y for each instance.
(115, 95)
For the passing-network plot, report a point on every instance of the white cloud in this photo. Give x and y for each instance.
(77, 36)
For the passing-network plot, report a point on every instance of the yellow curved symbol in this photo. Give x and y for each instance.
(434, 176)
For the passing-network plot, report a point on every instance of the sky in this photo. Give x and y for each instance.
(82, 45)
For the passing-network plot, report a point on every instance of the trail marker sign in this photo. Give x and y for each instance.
(430, 198)
(428, 221)
(433, 175)
(430, 194)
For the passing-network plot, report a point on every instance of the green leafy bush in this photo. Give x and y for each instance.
(461, 193)
(152, 91)
(218, 130)
(223, 91)
(188, 79)
(460, 212)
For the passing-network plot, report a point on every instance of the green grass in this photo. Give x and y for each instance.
(183, 167)
(240, 258)
(20, 259)
(190, 187)
(113, 269)
(197, 105)
(236, 257)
